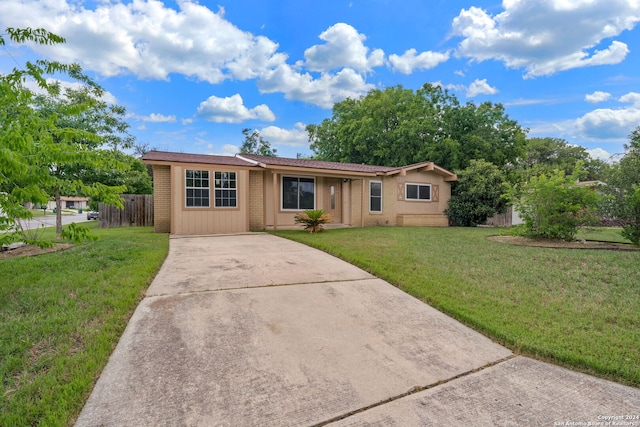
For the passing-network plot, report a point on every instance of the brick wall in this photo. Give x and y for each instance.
(424, 220)
(162, 198)
(256, 200)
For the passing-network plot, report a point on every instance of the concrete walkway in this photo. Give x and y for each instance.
(255, 330)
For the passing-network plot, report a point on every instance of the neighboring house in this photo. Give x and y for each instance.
(69, 202)
(205, 194)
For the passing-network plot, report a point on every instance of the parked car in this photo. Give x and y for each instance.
(92, 215)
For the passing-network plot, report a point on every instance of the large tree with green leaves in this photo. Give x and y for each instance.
(544, 155)
(623, 189)
(102, 132)
(254, 143)
(35, 145)
(398, 126)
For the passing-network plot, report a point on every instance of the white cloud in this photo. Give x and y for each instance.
(147, 39)
(480, 87)
(323, 92)
(410, 61)
(186, 121)
(232, 110)
(537, 36)
(296, 137)
(225, 150)
(600, 154)
(156, 118)
(631, 97)
(477, 87)
(344, 48)
(605, 123)
(597, 97)
(523, 101)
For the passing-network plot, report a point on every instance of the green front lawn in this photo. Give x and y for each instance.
(605, 234)
(576, 308)
(61, 315)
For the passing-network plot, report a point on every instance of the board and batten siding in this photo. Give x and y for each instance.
(209, 220)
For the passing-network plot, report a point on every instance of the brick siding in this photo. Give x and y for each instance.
(162, 198)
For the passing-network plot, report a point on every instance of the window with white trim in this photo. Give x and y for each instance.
(375, 196)
(420, 192)
(226, 191)
(298, 193)
(197, 188)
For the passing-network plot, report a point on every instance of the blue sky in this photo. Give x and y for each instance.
(192, 75)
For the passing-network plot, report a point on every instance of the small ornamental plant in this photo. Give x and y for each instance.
(313, 219)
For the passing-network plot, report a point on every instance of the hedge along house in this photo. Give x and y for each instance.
(205, 194)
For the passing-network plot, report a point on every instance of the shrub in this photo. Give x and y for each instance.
(477, 195)
(313, 219)
(554, 207)
(631, 230)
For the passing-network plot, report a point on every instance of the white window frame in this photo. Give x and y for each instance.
(186, 188)
(216, 188)
(370, 196)
(315, 190)
(419, 184)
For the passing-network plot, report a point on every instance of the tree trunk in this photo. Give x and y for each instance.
(58, 215)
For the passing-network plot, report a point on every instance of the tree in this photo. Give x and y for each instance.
(34, 145)
(554, 207)
(100, 125)
(134, 177)
(397, 126)
(622, 186)
(255, 144)
(477, 195)
(544, 155)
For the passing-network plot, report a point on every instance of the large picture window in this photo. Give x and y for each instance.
(226, 191)
(197, 189)
(420, 192)
(375, 196)
(298, 193)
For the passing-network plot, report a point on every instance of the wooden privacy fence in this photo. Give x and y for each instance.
(137, 212)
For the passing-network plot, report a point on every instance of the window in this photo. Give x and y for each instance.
(418, 192)
(226, 192)
(298, 193)
(375, 196)
(197, 186)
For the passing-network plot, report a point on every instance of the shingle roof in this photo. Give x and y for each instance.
(316, 164)
(249, 160)
(165, 156)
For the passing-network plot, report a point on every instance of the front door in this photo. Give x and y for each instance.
(333, 198)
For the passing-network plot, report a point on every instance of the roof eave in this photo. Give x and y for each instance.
(312, 171)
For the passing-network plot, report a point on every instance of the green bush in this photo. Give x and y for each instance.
(554, 207)
(477, 195)
(631, 230)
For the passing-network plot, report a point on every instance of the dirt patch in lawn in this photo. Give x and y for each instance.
(561, 244)
(30, 250)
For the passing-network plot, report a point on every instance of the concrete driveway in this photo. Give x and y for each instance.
(252, 330)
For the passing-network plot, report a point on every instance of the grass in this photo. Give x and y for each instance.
(38, 213)
(61, 315)
(576, 308)
(605, 234)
